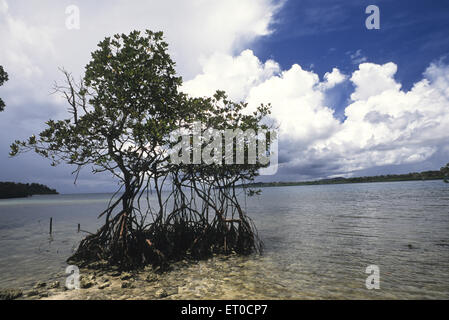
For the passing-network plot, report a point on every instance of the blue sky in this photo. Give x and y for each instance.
(349, 101)
(324, 34)
(321, 35)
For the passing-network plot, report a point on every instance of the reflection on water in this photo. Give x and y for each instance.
(318, 241)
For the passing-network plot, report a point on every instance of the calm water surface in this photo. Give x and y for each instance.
(318, 241)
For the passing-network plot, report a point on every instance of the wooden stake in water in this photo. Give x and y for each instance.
(51, 225)
(79, 227)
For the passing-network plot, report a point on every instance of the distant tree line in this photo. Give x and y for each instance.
(23, 190)
(425, 175)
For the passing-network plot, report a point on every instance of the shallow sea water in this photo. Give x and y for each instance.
(318, 242)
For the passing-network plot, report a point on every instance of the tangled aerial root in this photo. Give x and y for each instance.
(199, 217)
(162, 243)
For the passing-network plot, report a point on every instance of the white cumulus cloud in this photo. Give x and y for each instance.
(235, 75)
(373, 79)
(388, 126)
(383, 124)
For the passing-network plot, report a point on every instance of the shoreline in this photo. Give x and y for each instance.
(186, 280)
(429, 175)
(113, 284)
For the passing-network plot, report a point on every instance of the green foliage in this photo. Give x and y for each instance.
(3, 79)
(219, 113)
(126, 104)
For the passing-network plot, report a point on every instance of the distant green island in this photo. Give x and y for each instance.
(22, 190)
(425, 175)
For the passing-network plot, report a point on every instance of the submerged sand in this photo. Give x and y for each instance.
(220, 277)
